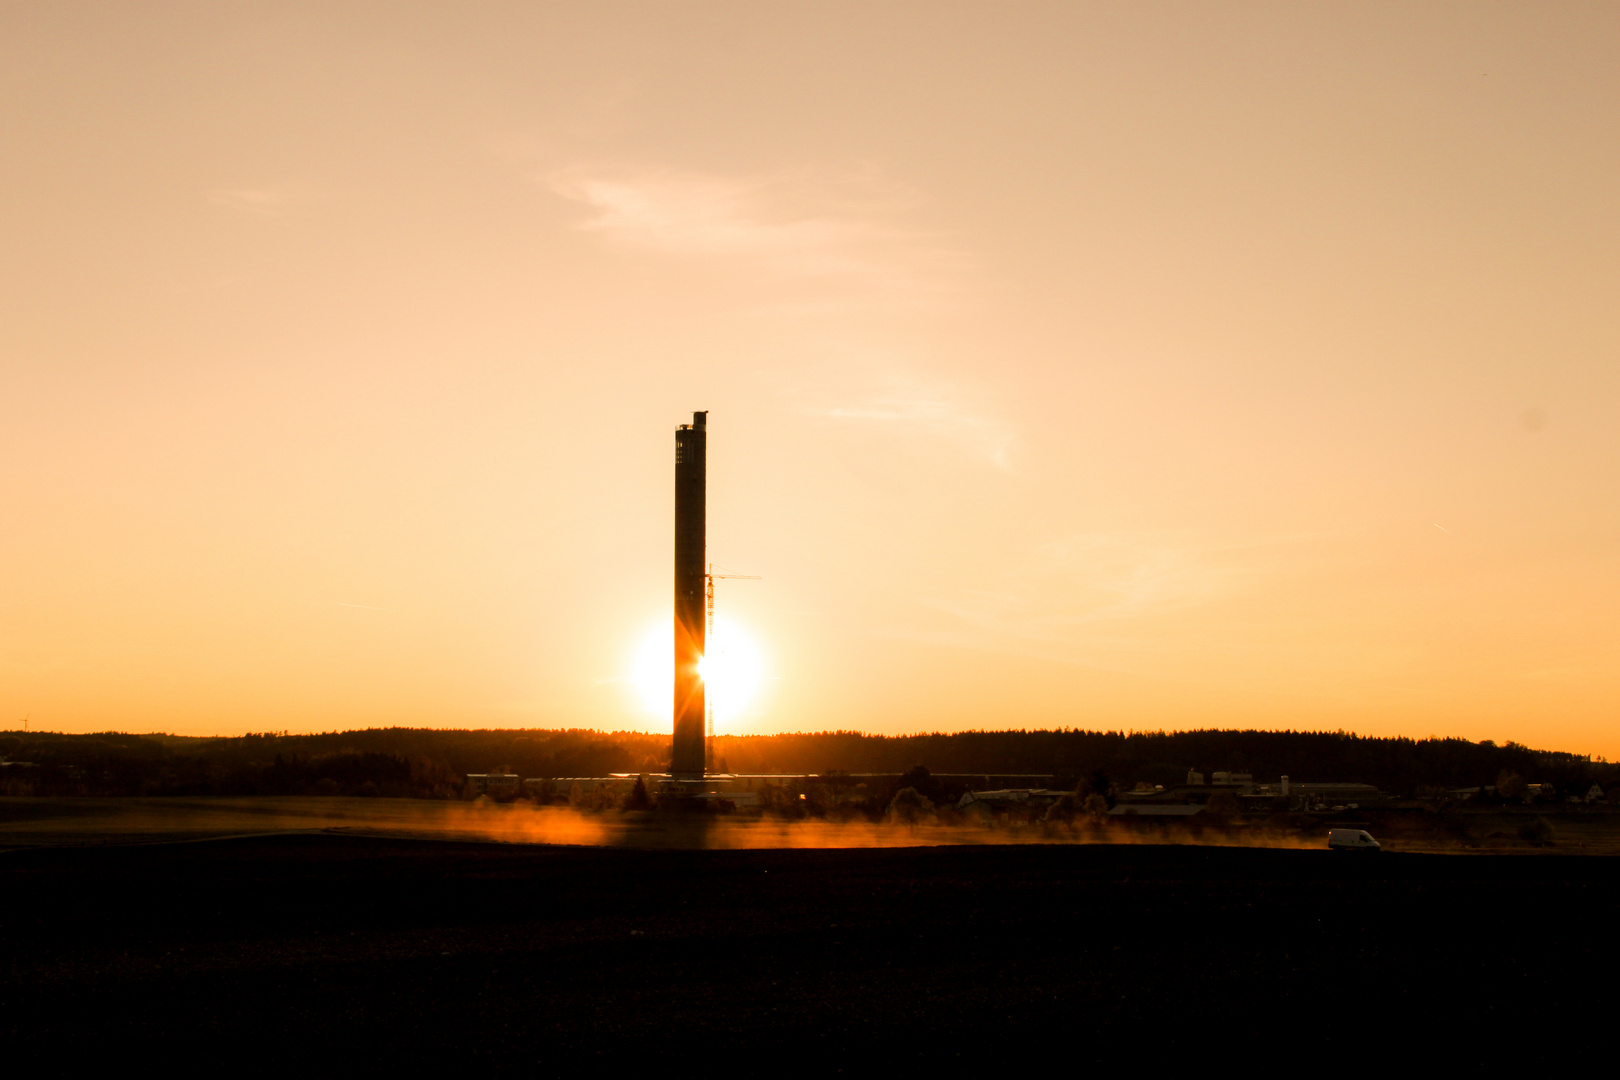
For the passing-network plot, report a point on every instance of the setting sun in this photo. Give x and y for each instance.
(733, 671)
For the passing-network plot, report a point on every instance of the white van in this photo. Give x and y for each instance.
(1352, 840)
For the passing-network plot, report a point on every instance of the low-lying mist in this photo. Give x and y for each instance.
(75, 822)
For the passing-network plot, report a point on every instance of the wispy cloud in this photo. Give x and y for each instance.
(263, 201)
(844, 228)
(914, 407)
(835, 241)
(934, 416)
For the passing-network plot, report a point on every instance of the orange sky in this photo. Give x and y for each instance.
(1109, 365)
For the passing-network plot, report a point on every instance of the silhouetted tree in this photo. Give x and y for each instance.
(1065, 810)
(909, 806)
(1096, 808)
(1509, 785)
(431, 762)
(920, 780)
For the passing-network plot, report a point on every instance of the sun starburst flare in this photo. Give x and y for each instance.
(733, 671)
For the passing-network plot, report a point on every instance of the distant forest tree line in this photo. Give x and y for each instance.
(430, 763)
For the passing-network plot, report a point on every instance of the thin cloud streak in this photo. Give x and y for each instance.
(262, 201)
(936, 417)
(822, 235)
(819, 232)
(793, 226)
(911, 407)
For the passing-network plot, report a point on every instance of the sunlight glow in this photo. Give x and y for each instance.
(733, 672)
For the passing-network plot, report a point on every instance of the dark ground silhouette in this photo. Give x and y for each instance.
(327, 952)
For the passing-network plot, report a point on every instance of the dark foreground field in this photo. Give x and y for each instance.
(318, 951)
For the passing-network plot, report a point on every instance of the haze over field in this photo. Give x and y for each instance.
(1106, 365)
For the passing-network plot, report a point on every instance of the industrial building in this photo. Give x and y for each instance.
(496, 785)
(1306, 797)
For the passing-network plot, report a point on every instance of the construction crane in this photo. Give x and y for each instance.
(708, 635)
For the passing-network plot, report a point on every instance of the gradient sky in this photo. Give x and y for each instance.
(1110, 365)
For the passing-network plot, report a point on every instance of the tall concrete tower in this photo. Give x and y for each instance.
(691, 454)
